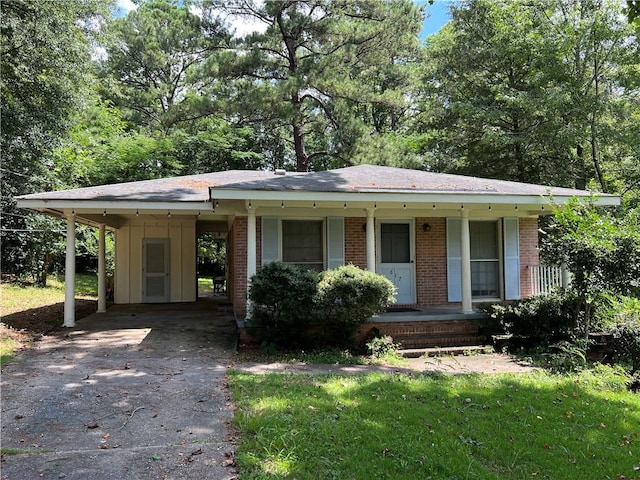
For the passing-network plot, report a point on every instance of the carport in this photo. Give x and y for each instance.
(136, 392)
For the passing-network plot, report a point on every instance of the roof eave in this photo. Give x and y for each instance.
(414, 197)
(177, 205)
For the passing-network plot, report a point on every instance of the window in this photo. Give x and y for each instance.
(395, 243)
(485, 259)
(302, 243)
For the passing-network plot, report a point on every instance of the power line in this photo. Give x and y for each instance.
(2, 214)
(30, 230)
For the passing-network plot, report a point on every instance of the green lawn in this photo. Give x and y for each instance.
(27, 310)
(437, 427)
(16, 297)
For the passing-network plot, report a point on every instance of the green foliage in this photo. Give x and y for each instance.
(542, 316)
(315, 65)
(153, 67)
(567, 356)
(45, 52)
(295, 307)
(601, 252)
(626, 334)
(281, 297)
(347, 296)
(513, 89)
(384, 346)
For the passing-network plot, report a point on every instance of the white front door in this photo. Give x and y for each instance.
(155, 273)
(396, 257)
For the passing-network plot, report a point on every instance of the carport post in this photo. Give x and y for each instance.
(70, 274)
(102, 272)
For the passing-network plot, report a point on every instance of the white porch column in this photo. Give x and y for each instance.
(251, 249)
(371, 241)
(566, 276)
(102, 271)
(70, 274)
(465, 246)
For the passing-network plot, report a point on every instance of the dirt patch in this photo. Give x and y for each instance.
(454, 365)
(25, 326)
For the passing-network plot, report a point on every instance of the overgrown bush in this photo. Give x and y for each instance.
(281, 303)
(292, 307)
(627, 344)
(542, 316)
(346, 297)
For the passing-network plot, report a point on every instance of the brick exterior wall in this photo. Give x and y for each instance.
(355, 242)
(431, 262)
(238, 252)
(528, 237)
(431, 257)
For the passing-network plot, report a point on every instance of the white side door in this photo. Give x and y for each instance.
(155, 270)
(396, 257)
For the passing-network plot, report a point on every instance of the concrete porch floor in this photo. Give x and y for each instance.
(419, 314)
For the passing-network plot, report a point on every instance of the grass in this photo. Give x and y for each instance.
(437, 426)
(328, 356)
(28, 310)
(16, 297)
(205, 286)
(18, 451)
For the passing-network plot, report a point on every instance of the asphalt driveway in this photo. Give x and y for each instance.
(134, 393)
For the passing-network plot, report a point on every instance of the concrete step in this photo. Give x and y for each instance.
(440, 351)
(429, 328)
(440, 340)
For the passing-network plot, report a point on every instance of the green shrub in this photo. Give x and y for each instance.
(550, 315)
(281, 299)
(379, 347)
(627, 344)
(567, 356)
(292, 307)
(346, 297)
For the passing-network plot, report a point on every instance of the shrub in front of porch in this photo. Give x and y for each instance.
(346, 297)
(545, 318)
(292, 307)
(281, 296)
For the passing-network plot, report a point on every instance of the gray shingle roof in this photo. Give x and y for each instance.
(360, 179)
(373, 178)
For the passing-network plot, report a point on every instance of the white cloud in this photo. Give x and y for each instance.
(123, 7)
(244, 25)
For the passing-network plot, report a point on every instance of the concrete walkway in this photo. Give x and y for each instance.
(134, 393)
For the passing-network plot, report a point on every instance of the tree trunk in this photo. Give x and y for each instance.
(302, 158)
(580, 180)
(595, 153)
(45, 268)
(587, 321)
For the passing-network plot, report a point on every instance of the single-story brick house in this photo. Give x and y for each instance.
(443, 240)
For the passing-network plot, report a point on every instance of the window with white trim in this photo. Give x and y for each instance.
(303, 243)
(485, 259)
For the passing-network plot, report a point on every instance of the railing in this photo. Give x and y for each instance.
(545, 278)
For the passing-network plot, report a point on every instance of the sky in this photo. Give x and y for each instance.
(438, 15)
